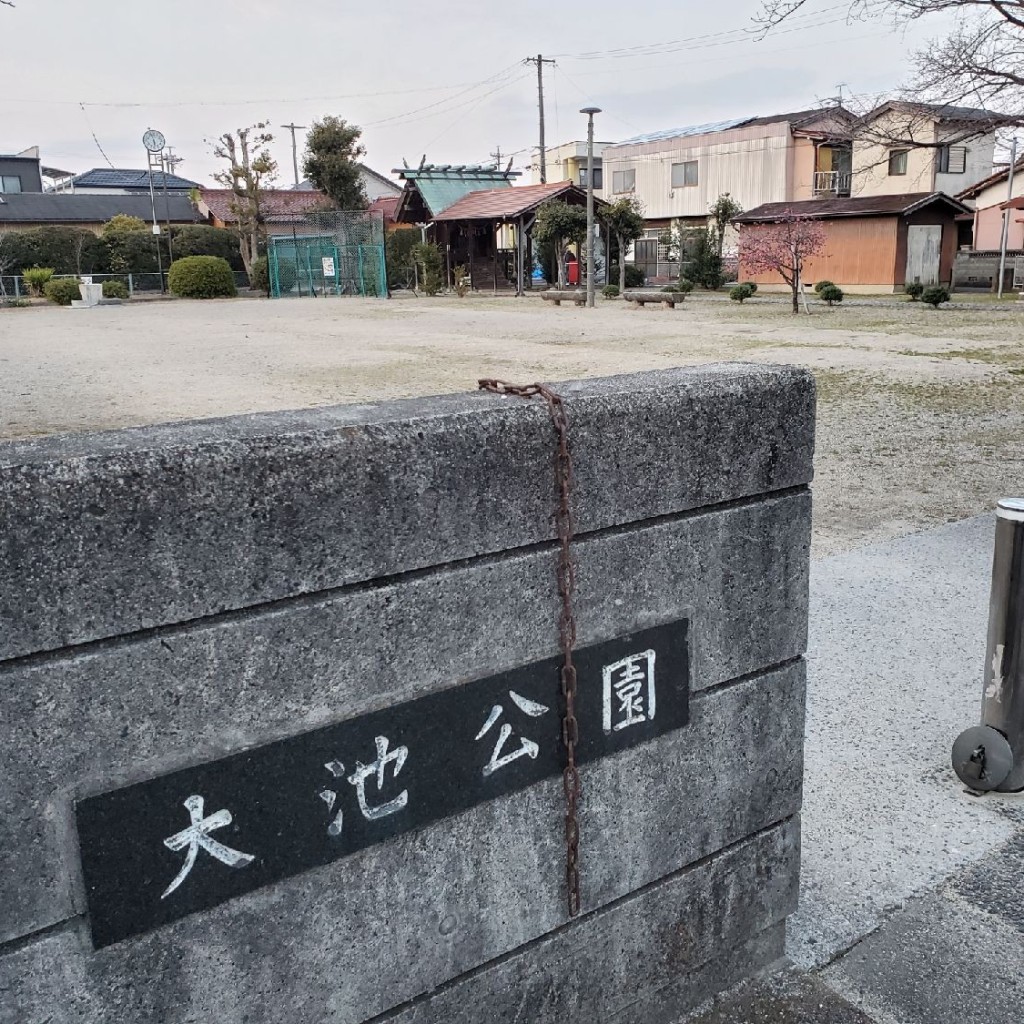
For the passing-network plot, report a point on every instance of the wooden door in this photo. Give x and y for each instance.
(924, 251)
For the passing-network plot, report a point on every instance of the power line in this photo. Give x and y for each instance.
(506, 72)
(727, 37)
(93, 134)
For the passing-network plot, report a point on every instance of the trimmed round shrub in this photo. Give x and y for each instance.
(935, 296)
(202, 277)
(914, 290)
(823, 284)
(610, 291)
(62, 290)
(740, 292)
(683, 285)
(37, 278)
(830, 294)
(115, 289)
(752, 285)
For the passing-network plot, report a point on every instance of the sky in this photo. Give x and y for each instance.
(443, 79)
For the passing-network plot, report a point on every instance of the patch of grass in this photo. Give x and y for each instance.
(967, 397)
(838, 385)
(993, 356)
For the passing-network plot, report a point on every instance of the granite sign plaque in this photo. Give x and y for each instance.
(158, 850)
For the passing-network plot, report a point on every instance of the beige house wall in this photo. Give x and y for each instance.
(871, 175)
(752, 164)
(803, 167)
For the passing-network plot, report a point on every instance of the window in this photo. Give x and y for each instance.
(952, 159)
(624, 181)
(10, 183)
(684, 175)
(598, 176)
(898, 161)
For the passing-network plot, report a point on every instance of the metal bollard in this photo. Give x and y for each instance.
(990, 756)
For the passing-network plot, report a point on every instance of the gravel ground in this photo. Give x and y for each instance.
(921, 411)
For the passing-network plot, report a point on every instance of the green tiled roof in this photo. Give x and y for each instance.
(441, 185)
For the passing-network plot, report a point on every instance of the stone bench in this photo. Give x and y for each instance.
(640, 298)
(554, 295)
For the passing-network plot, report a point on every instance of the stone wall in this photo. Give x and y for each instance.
(172, 596)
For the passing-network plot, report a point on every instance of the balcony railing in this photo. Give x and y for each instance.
(832, 183)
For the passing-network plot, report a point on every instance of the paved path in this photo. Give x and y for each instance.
(912, 904)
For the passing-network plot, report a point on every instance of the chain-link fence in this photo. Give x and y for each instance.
(13, 287)
(330, 253)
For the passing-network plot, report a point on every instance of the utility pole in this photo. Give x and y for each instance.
(293, 128)
(540, 62)
(590, 112)
(172, 160)
(1006, 216)
(496, 157)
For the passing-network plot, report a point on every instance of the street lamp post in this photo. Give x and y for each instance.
(590, 112)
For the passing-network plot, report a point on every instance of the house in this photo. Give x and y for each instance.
(285, 210)
(677, 174)
(375, 185)
(990, 199)
(921, 147)
(25, 210)
(488, 232)
(24, 172)
(873, 243)
(387, 207)
(431, 188)
(106, 181)
(20, 172)
(568, 162)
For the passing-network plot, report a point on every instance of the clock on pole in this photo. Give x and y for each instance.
(153, 140)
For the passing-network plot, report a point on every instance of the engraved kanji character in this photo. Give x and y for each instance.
(629, 691)
(196, 837)
(527, 747)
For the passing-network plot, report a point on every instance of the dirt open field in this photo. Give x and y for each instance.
(921, 411)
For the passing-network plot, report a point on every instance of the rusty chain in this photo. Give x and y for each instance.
(566, 575)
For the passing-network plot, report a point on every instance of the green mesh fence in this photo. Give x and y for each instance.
(330, 253)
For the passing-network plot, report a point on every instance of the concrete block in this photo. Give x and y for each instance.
(648, 956)
(115, 533)
(368, 933)
(127, 710)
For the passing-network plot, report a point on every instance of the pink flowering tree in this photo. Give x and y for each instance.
(782, 248)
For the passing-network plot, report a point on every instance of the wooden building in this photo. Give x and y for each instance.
(489, 232)
(479, 220)
(873, 243)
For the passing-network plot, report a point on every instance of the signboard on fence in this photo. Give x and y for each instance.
(328, 263)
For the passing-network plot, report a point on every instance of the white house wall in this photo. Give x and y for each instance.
(981, 154)
(751, 164)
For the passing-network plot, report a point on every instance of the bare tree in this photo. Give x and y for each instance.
(781, 247)
(977, 64)
(250, 171)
